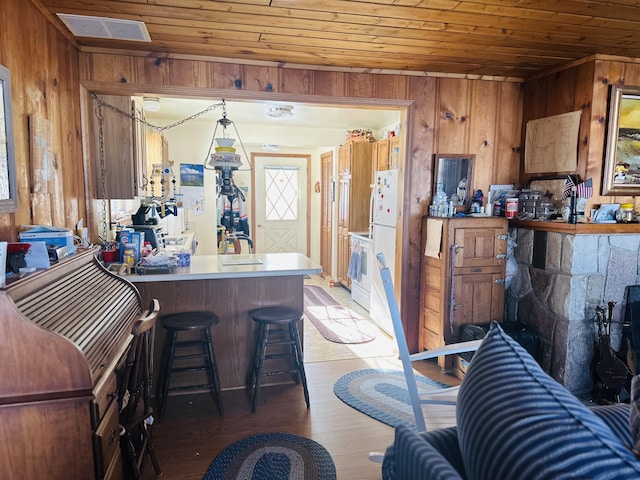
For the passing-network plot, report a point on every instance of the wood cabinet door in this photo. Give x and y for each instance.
(477, 299)
(344, 159)
(381, 159)
(115, 177)
(326, 217)
(480, 247)
(394, 152)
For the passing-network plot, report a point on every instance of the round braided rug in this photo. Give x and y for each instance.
(270, 456)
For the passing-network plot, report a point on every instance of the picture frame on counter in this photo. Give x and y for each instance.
(622, 151)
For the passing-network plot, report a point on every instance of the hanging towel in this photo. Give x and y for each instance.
(355, 263)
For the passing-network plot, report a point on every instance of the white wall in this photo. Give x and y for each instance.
(189, 143)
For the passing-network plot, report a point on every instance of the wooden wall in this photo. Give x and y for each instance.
(584, 86)
(44, 83)
(446, 115)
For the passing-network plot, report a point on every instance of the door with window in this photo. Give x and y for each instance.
(281, 203)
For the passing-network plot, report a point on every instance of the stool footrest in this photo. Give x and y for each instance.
(190, 355)
(193, 387)
(189, 369)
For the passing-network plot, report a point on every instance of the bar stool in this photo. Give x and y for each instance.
(284, 321)
(195, 322)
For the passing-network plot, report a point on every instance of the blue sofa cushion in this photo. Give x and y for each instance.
(414, 457)
(514, 421)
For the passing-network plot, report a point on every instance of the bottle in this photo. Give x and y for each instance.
(573, 214)
(440, 202)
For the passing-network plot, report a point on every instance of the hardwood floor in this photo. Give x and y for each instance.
(193, 434)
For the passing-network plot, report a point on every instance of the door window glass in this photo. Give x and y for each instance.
(281, 189)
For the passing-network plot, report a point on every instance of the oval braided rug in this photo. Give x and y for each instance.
(382, 394)
(270, 456)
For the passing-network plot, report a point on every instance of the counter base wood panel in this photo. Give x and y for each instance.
(231, 286)
(462, 281)
(232, 300)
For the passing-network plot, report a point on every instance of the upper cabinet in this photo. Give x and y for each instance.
(119, 149)
(386, 153)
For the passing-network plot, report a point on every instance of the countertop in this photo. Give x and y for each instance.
(211, 267)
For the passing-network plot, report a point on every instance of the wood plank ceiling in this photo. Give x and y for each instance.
(488, 38)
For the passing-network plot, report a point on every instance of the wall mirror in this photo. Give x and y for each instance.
(455, 174)
(8, 190)
(622, 154)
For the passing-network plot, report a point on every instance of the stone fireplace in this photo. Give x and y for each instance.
(561, 278)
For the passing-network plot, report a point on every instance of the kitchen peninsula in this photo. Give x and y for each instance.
(231, 286)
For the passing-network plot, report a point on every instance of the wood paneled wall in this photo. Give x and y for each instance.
(45, 85)
(584, 86)
(446, 115)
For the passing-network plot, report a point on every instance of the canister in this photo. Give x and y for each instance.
(511, 207)
(626, 212)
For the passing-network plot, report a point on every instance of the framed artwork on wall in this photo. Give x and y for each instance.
(8, 187)
(622, 151)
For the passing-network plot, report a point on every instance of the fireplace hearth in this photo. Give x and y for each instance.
(562, 278)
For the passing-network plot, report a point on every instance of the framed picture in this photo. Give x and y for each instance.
(622, 154)
(8, 184)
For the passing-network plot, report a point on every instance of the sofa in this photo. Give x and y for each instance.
(516, 422)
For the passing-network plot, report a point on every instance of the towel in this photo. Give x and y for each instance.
(355, 266)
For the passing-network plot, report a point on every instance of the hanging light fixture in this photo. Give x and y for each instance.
(225, 159)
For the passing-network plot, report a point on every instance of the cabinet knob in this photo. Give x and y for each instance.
(501, 256)
(499, 281)
(502, 237)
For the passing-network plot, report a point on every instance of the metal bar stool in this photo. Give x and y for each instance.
(183, 322)
(281, 323)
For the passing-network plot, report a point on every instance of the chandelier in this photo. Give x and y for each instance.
(225, 159)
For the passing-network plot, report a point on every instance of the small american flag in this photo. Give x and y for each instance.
(585, 189)
(569, 184)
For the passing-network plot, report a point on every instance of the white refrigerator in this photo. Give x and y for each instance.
(384, 216)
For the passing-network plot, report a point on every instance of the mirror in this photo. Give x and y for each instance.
(455, 174)
(8, 190)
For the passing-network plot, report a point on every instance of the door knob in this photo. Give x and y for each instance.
(501, 256)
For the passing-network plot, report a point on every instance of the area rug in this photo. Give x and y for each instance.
(335, 322)
(270, 456)
(382, 394)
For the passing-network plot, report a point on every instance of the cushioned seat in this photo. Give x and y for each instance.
(514, 421)
(193, 355)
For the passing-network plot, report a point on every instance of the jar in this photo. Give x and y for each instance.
(626, 212)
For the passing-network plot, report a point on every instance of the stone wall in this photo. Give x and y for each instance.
(560, 281)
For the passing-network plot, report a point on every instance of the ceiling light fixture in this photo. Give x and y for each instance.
(151, 104)
(279, 111)
(225, 159)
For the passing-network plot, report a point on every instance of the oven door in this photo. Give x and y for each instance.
(360, 289)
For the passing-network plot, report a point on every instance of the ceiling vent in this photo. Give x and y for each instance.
(102, 27)
(279, 111)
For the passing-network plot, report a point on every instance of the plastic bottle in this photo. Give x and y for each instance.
(440, 202)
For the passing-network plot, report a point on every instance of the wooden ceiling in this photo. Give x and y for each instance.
(492, 38)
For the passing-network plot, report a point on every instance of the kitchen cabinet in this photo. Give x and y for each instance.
(380, 154)
(118, 150)
(462, 277)
(354, 191)
(386, 153)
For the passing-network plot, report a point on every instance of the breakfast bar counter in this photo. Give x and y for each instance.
(231, 286)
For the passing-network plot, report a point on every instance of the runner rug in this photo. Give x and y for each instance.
(382, 394)
(270, 456)
(335, 322)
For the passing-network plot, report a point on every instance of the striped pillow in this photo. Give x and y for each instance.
(514, 421)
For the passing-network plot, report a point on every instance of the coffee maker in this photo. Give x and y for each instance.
(142, 222)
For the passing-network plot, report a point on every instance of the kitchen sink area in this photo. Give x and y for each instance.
(183, 242)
